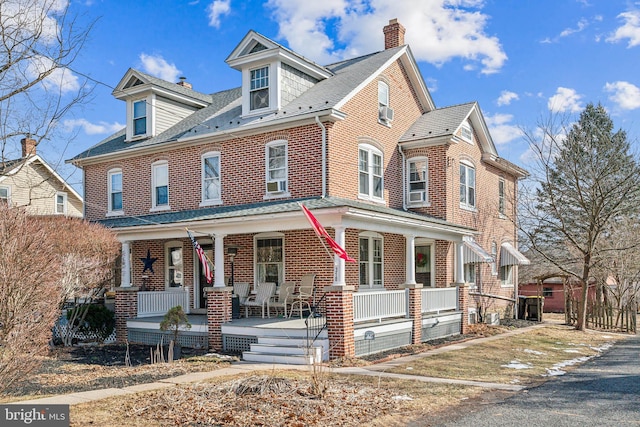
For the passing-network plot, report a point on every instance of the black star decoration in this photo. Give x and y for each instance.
(148, 262)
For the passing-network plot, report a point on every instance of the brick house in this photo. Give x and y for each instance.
(418, 195)
(31, 183)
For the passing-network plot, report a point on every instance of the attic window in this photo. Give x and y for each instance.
(465, 132)
(259, 91)
(133, 82)
(257, 48)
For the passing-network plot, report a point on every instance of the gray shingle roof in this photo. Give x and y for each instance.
(436, 123)
(8, 165)
(262, 208)
(173, 87)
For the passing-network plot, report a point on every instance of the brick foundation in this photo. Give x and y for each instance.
(415, 311)
(218, 313)
(126, 308)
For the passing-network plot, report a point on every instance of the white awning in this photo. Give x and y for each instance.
(511, 256)
(473, 252)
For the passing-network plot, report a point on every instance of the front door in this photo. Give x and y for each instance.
(201, 283)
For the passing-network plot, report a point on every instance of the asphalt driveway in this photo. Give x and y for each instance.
(604, 391)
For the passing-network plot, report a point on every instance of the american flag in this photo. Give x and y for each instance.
(203, 258)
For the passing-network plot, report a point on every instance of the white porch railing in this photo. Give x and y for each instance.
(157, 303)
(379, 305)
(439, 299)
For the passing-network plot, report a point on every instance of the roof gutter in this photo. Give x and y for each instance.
(324, 156)
(404, 181)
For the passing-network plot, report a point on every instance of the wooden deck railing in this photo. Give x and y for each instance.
(435, 300)
(157, 303)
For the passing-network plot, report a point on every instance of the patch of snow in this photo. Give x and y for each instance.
(403, 397)
(516, 364)
(554, 372)
(607, 337)
(602, 348)
(572, 351)
(556, 369)
(538, 353)
(409, 368)
(515, 381)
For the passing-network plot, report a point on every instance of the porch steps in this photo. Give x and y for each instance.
(286, 350)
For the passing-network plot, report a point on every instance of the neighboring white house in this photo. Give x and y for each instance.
(31, 183)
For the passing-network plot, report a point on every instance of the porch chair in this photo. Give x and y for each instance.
(305, 293)
(285, 298)
(242, 290)
(264, 292)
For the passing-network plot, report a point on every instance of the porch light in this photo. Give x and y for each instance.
(232, 251)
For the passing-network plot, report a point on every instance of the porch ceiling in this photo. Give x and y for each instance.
(284, 215)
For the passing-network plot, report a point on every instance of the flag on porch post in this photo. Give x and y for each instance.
(322, 233)
(203, 258)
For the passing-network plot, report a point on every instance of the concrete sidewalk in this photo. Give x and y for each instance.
(378, 369)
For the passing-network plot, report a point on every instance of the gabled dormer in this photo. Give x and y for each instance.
(154, 105)
(272, 75)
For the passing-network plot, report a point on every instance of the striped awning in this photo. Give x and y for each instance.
(511, 256)
(473, 252)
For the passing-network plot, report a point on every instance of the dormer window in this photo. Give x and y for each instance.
(140, 118)
(259, 91)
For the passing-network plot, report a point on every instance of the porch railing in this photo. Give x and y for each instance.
(379, 305)
(439, 299)
(157, 303)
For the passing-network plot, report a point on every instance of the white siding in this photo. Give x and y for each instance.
(168, 113)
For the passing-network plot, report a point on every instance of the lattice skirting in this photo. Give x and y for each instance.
(236, 344)
(382, 342)
(185, 338)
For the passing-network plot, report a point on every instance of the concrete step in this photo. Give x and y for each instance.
(323, 343)
(251, 356)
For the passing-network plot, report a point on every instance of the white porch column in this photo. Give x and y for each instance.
(218, 272)
(410, 264)
(125, 277)
(338, 263)
(459, 262)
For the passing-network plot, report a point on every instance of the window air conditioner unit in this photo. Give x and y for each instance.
(492, 318)
(276, 186)
(473, 318)
(386, 114)
(416, 196)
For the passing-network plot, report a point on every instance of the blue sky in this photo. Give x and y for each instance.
(521, 60)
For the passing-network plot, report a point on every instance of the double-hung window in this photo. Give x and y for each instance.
(385, 113)
(276, 167)
(270, 259)
(467, 185)
(61, 203)
(5, 195)
(115, 190)
(259, 89)
(174, 264)
(371, 258)
(160, 184)
(140, 118)
(211, 178)
(370, 167)
(417, 180)
(465, 132)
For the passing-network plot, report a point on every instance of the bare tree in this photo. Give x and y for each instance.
(586, 178)
(39, 40)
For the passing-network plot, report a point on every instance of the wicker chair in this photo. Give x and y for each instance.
(285, 298)
(264, 292)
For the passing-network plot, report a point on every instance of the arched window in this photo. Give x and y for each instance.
(211, 187)
(467, 185)
(370, 168)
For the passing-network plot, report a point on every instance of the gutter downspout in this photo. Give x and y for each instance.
(324, 156)
(404, 183)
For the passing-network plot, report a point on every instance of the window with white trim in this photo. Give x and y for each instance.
(417, 180)
(506, 275)
(61, 203)
(160, 185)
(467, 185)
(501, 208)
(371, 261)
(470, 274)
(114, 177)
(5, 195)
(174, 265)
(259, 89)
(276, 167)
(370, 185)
(139, 124)
(385, 113)
(465, 131)
(270, 258)
(211, 178)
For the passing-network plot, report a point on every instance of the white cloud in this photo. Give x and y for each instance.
(60, 79)
(625, 94)
(438, 31)
(630, 30)
(501, 130)
(506, 97)
(217, 9)
(157, 66)
(33, 17)
(565, 100)
(92, 128)
(582, 24)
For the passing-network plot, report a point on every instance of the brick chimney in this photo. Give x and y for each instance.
(184, 83)
(28, 147)
(393, 34)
